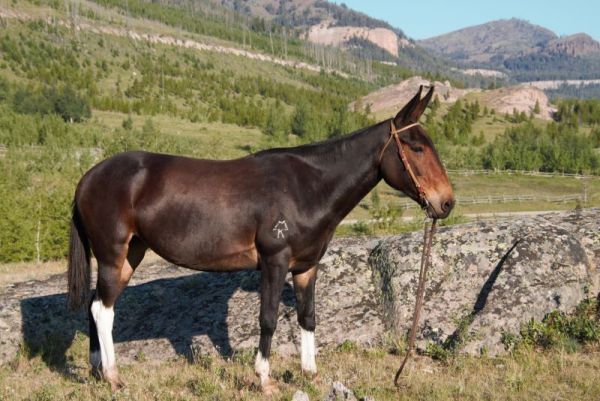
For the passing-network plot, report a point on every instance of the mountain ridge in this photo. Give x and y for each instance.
(484, 42)
(524, 51)
(509, 38)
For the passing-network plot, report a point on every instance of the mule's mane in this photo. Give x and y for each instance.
(329, 149)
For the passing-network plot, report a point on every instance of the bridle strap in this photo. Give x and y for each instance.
(394, 134)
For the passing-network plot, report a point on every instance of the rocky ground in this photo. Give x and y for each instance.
(485, 277)
(167, 310)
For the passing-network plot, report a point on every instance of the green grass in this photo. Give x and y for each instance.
(524, 375)
(499, 184)
(490, 185)
(213, 140)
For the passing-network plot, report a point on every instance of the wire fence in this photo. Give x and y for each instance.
(468, 172)
(480, 200)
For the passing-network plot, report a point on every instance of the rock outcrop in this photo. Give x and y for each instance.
(521, 98)
(338, 35)
(488, 278)
(393, 97)
(577, 45)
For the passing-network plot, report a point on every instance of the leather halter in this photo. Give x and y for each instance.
(394, 134)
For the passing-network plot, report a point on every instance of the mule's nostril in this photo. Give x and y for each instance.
(448, 205)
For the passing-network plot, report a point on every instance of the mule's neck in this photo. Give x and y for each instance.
(350, 168)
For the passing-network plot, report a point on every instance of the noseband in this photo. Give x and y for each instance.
(394, 134)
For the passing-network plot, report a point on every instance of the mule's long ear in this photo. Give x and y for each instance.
(420, 109)
(404, 115)
(413, 114)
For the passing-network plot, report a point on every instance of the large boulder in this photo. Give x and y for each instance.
(488, 278)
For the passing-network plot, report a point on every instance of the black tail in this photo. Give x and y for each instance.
(79, 263)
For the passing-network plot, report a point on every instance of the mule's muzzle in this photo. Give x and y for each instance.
(440, 209)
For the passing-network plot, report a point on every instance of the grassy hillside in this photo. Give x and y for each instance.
(72, 97)
(125, 79)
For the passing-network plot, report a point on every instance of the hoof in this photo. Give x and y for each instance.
(115, 381)
(269, 388)
(311, 374)
(116, 385)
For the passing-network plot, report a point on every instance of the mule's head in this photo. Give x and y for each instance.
(436, 196)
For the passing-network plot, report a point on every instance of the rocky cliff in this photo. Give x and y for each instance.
(576, 45)
(339, 35)
(521, 98)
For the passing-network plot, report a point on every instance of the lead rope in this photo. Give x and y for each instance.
(425, 258)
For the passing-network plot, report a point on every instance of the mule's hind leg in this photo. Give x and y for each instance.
(304, 287)
(112, 280)
(273, 272)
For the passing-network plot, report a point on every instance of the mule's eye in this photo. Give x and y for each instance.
(417, 149)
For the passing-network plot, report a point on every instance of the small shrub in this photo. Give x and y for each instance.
(127, 124)
(386, 216)
(567, 332)
(438, 352)
(204, 360)
(347, 346)
(509, 340)
(361, 228)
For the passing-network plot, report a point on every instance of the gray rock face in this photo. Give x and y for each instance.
(339, 392)
(488, 278)
(300, 395)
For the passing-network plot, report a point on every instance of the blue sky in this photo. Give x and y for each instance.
(421, 19)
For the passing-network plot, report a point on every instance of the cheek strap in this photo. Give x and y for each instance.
(394, 134)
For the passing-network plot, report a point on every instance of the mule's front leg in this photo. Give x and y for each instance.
(273, 274)
(304, 286)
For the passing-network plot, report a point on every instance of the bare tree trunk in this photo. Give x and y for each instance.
(37, 234)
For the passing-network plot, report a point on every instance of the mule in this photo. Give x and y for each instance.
(275, 210)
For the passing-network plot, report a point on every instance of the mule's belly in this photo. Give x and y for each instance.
(206, 251)
(202, 241)
(243, 260)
